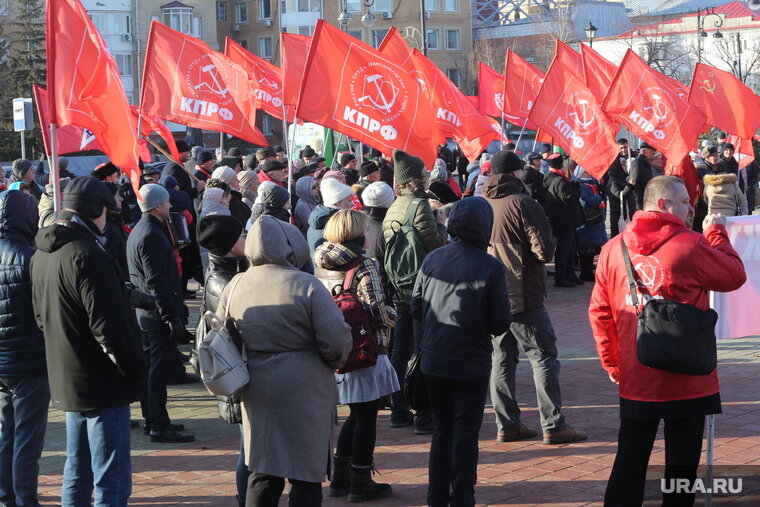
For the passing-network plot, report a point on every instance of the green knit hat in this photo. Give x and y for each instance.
(406, 167)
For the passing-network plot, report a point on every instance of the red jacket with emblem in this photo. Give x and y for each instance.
(672, 262)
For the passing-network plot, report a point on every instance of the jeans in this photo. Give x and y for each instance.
(359, 433)
(24, 405)
(160, 353)
(266, 490)
(563, 257)
(457, 416)
(683, 447)
(532, 330)
(97, 454)
(407, 336)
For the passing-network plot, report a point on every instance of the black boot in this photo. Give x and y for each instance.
(587, 266)
(363, 488)
(341, 477)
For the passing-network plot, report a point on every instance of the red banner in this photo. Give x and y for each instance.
(598, 72)
(728, 103)
(84, 86)
(743, 150)
(266, 75)
(642, 100)
(490, 91)
(521, 89)
(358, 91)
(71, 138)
(569, 57)
(394, 46)
(187, 82)
(295, 49)
(568, 111)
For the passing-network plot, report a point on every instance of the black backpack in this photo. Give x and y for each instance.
(404, 254)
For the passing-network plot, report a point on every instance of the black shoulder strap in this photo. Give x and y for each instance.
(629, 274)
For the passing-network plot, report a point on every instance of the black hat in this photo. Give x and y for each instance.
(151, 169)
(533, 156)
(278, 149)
(505, 162)
(367, 168)
(406, 167)
(235, 152)
(263, 154)
(274, 195)
(308, 152)
(306, 170)
(646, 146)
(103, 171)
(204, 157)
(20, 168)
(87, 196)
(727, 146)
(442, 192)
(219, 233)
(230, 162)
(272, 165)
(346, 158)
(182, 146)
(546, 148)
(555, 160)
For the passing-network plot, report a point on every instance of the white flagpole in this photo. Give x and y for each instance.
(54, 173)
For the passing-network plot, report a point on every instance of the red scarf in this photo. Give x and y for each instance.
(557, 171)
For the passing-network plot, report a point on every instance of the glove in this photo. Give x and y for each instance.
(177, 332)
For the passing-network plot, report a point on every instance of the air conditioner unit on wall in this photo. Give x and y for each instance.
(427, 15)
(126, 37)
(387, 15)
(267, 22)
(235, 28)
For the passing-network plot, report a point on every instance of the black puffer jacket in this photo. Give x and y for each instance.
(563, 203)
(220, 271)
(153, 270)
(94, 357)
(22, 345)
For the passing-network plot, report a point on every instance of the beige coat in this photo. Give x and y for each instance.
(295, 337)
(723, 195)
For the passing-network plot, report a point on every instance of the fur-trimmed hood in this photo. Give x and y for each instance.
(720, 179)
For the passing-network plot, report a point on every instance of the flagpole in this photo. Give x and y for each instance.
(521, 134)
(221, 144)
(54, 174)
(503, 126)
(290, 174)
(167, 155)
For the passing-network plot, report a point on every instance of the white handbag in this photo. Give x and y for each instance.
(223, 367)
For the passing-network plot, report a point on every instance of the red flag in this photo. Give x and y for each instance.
(569, 57)
(266, 75)
(394, 46)
(490, 91)
(148, 125)
(543, 137)
(84, 85)
(649, 107)
(743, 150)
(358, 91)
(521, 89)
(187, 82)
(728, 103)
(597, 71)
(295, 49)
(568, 111)
(71, 138)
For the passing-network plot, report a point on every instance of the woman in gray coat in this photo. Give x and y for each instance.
(295, 338)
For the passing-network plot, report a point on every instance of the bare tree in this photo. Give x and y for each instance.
(665, 53)
(742, 62)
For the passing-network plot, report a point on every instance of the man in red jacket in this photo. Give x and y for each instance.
(674, 263)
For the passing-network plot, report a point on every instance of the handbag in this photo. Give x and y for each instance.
(223, 364)
(592, 216)
(671, 336)
(415, 389)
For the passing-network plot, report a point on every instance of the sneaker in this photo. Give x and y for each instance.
(564, 436)
(171, 436)
(401, 419)
(423, 425)
(522, 433)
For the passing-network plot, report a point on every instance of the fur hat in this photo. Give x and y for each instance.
(103, 171)
(182, 146)
(346, 158)
(406, 167)
(367, 168)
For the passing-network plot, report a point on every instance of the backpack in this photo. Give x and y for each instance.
(404, 253)
(364, 350)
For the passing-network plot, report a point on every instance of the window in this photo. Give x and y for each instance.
(180, 19)
(221, 11)
(284, 6)
(265, 9)
(452, 39)
(378, 36)
(451, 5)
(453, 75)
(356, 34)
(431, 5)
(382, 6)
(243, 43)
(111, 23)
(267, 124)
(124, 62)
(265, 47)
(433, 38)
(241, 12)
(304, 30)
(197, 27)
(354, 5)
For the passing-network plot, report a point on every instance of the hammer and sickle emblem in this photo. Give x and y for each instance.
(708, 86)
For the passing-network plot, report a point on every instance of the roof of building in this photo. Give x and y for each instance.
(175, 4)
(672, 7)
(735, 9)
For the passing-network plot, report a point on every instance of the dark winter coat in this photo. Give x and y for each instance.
(116, 243)
(22, 345)
(183, 179)
(94, 357)
(238, 208)
(731, 166)
(563, 203)
(374, 227)
(643, 172)
(592, 198)
(534, 183)
(521, 238)
(461, 297)
(317, 221)
(617, 177)
(153, 270)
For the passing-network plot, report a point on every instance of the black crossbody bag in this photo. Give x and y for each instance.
(670, 336)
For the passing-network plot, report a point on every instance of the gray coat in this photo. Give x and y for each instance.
(295, 337)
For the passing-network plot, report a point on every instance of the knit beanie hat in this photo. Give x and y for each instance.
(224, 173)
(61, 183)
(20, 168)
(86, 196)
(213, 194)
(204, 157)
(152, 196)
(406, 167)
(182, 146)
(103, 171)
(247, 178)
(378, 195)
(334, 175)
(168, 182)
(219, 233)
(230, 162)
(367, 168)
(505, 162)
(333, 191)
(274, 195)
(278, 149)
(272, 165)
(346, 158)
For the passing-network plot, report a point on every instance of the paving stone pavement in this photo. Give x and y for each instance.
(517, 473)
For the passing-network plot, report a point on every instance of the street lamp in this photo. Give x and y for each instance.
(590, 33)
(702, 15)
(368, 19)
(344, 18)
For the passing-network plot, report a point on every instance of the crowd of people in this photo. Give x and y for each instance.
(448, 265)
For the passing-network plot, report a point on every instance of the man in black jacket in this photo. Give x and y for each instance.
(641, 172)
(621, 201)
(153, 270)
(532, 177)
(563, 207)
(94, 361)
(24, 391)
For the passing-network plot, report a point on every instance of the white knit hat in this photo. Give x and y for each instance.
(378, 195)
(333, 191)
(224, 173)
(213, 194)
